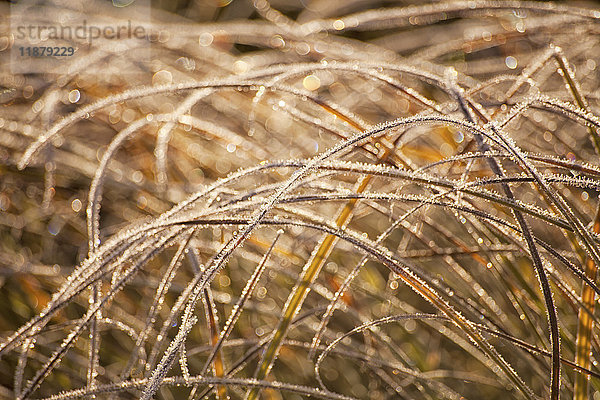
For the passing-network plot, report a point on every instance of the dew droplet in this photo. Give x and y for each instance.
(311, 82)
(74, 96)
(511, 62)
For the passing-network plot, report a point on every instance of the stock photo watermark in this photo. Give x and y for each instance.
(52, 37)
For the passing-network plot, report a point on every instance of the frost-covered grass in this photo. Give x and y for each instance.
(323, 200)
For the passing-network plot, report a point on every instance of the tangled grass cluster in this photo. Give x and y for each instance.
(307, 199)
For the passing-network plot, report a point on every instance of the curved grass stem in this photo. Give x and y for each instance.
(300, 291)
